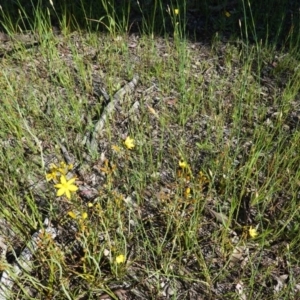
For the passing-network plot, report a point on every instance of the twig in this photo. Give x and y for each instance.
(118, 98)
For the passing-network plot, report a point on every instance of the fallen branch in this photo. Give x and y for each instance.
(118, 98)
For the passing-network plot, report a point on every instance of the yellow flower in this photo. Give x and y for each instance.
(120, 259)
(55, 171)
(65, 187)
(115, 148)
(202, 178)
(52, 175)
(176, 11)
(227, 14)
(84, 216)
(72, 214)
(64, 168)
(187, 192)
(129, 143)
(253, 232)
(183, 165)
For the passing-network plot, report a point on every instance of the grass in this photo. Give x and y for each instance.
(216, 135)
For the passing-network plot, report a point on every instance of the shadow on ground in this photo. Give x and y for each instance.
(272, 21)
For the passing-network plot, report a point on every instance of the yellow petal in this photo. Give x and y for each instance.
(183, 164)
(120, 259)
(227, 14)
(71, 180)
(72, 188)
(84, 215)
(53, 167)
(63, 179)
(60, 192)
(253, 232)
(129, 143)
(49, 176)
(72, 215)
(187, 192)
(115, 148)
(63, 169)
(63, 164)
(68, 194)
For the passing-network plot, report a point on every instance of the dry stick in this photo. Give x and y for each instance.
(220, 217)
(118, 98)
(23, 262)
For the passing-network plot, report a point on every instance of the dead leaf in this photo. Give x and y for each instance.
(171, 101)
(220, 217)
(152, 110)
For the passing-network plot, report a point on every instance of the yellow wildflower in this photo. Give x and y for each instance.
(65, 187)
(116, 148)
(227, 14)
(72, 214)
(176, 11)
(253, 232)
(183, 165)
(129, 143)
(120, 259)
(84, 216)
(63, 169)
(52, 175)
(187, 192)
(202, 178)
